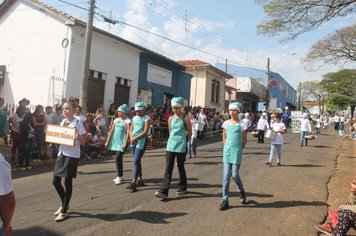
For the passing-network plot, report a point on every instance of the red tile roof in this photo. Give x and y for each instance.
(188, 63)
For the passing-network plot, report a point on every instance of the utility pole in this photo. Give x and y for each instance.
(299, 96)
(83, 96)
(268, 79)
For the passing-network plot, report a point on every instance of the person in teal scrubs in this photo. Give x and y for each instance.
(118, 139)
(138, 138)
(180, 130)
(234, 139)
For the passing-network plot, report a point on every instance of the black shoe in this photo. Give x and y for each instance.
(224, 205)
(132, 187)
(279, 164)
(141, 183)
(243, 197)
(159, 194)
(181, 192)
(268, 163)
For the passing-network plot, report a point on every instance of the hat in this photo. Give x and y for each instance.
(139, 106)
(123, 108)
(264, 113)
(177, 101)
(235, 105)
(24, 100)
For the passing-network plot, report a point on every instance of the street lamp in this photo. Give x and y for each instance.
(269, 77)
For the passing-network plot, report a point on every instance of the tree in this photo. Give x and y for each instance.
(338, 47)
(341, 88)
(316, 92)
(300, 16)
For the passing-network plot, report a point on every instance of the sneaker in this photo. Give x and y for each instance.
(268, 163)
(61, 217)
(188, 156)
(224, 205)
(243, 197)
(132, 187)
(114, 180)
(59, 211)
(159, 194)
(279, 164)
(118, 180)
(194, 155)
(324, 228)
(140, 183)
(181, 192)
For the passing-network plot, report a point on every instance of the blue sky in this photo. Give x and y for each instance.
(223, 29)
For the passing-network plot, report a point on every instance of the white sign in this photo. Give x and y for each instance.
(159, 75)
(60, 135)
(296, 117)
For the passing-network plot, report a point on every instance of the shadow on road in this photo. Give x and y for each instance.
(205, 163)
(280, 204)
(301, 165)
(152, 217)
(35, 231)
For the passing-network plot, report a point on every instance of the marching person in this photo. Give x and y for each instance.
(305, 127)
(180, 130)
(262, 125)
(7, 197)
(118, 139)
(67, 159)
(279, 128)
(192, 142)
(234, 139)
(138, 140)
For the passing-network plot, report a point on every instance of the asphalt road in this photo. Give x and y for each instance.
(286, 200)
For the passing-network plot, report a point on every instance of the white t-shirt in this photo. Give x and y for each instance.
(81, 118)
(5, 177)
(227, 123)
(262, 124)
(247, 122)
(16, 120)
(195, 127)
(278, 137)
(72, 151)
(305, 125)
(201, 118)
(96, 138)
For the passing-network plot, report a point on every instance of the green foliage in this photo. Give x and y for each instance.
(338, 47)
(298, 17)
(341, 88)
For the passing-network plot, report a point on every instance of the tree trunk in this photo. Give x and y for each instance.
(352, 110)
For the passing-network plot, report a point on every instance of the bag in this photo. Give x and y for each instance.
(268, 133)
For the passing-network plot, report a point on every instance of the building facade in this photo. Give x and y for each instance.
(42, 53)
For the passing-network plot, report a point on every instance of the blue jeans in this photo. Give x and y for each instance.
(277, 148)
(302, 137)
(26, 148)
(233, 171)
(192, 146)
(137, 155)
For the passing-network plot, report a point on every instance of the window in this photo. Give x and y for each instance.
(97, 75)
(215, 91)
(123, 81)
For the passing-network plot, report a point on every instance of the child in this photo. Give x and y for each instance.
(234, 139)
(180, 129)
(262, 125)
(67, 160)
(118, 139)
(279, 128)
(138, 140)
(192, 146)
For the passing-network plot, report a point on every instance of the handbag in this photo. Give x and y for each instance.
(268, 133)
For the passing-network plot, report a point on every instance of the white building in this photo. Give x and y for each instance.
(42, 51)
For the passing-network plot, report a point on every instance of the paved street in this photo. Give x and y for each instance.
(285, 200)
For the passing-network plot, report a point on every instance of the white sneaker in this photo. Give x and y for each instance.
(61, 217)
(59, 211)
(114, 180)
(119, 180)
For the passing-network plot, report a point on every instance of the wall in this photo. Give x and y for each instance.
(31, 49)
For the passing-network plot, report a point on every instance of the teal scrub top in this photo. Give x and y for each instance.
(138, 127)
(177, 141)
(117, 140)
(233, 144)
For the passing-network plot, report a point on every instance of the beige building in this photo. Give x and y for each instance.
(207, 86)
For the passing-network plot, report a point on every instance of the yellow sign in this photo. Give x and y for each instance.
(60, 135)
